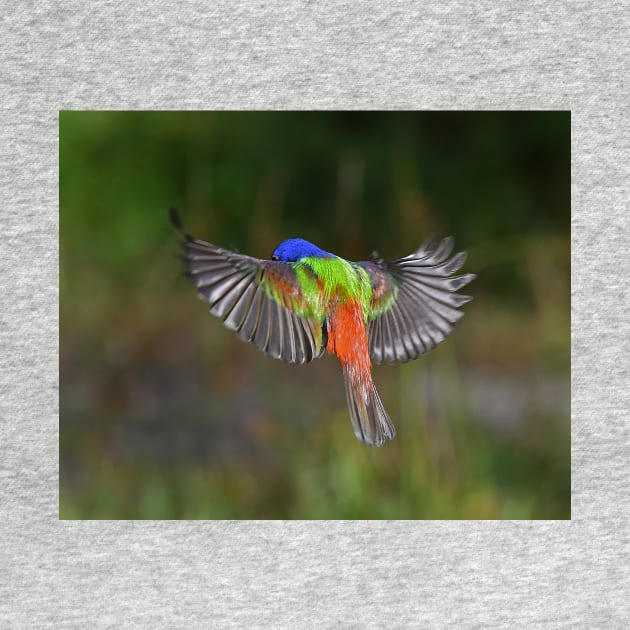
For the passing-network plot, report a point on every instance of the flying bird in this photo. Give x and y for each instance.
(305, 301)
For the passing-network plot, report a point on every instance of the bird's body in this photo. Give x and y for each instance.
(338, 294)
(306, 300)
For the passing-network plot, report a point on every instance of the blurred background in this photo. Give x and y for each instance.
(165, 414)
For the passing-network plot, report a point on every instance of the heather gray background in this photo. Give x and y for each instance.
(210, 55)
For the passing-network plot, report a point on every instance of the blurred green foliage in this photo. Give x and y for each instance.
(165, 414)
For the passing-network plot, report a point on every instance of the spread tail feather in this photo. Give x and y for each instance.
(370, 421)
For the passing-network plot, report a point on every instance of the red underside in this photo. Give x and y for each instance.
(347, 338)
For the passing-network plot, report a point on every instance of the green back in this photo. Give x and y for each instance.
(321, 278)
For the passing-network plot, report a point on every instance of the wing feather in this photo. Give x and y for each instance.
(415, 300)
(258, 299)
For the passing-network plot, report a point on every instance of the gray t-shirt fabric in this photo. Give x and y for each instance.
(355, 574)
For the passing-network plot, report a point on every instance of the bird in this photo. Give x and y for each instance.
(304, 301)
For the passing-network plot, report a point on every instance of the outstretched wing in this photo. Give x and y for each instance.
(258, 299)
(415, 302)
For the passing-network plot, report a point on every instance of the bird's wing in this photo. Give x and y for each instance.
(261, 300)
(414, 301)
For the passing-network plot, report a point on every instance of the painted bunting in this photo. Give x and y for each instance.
(305, 301)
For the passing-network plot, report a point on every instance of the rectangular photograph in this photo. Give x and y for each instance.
(314, 315)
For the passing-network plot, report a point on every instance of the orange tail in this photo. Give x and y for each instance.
(347, 338)
(370, 421)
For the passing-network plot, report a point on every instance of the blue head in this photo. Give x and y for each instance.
(294, 249)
